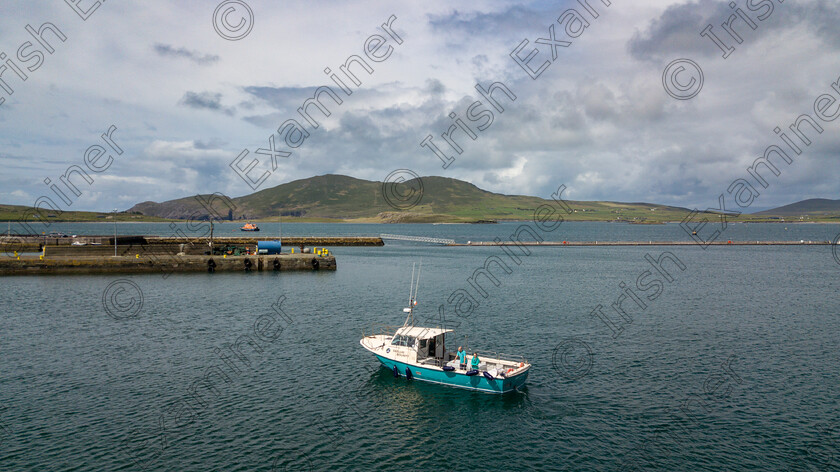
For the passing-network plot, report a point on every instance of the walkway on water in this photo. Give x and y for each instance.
(645, 243)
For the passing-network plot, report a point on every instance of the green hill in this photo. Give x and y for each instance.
(342, 198)
(814, 207)
(339, 197)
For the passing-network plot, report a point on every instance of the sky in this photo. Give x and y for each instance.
(190, 85)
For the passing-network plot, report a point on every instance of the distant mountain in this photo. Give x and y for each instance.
(44, 214)
(342, 198)
(339, 197)
(811, 207)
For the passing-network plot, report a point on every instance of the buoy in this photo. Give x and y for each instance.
(408, 373)
(396, 372)
(448, 368)
(488, 376)
(472, 372)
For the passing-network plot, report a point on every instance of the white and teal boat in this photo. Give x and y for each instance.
(421, 353)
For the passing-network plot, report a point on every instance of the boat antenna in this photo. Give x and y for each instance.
(413, 301)
(417, 284)
(411, 286)
(410, 298)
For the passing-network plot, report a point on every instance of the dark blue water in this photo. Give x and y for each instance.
(733, 366)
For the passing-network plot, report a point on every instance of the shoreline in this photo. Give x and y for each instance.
(366, 221)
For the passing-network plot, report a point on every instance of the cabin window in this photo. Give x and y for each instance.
(403, 341)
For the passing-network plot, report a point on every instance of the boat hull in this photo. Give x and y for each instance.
(456, 379)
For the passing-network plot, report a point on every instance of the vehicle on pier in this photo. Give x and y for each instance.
(420, 353)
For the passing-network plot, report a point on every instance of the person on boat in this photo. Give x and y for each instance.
(475, 361)
(462, 358)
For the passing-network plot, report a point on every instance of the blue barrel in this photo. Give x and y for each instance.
(268, 247)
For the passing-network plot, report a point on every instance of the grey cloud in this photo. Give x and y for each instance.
(211, 144)
(512, 19)
(677, 31)
(598, 100)
(166, 50)
(268, 121)
(435, 87)
(281, 98)
(205, 101)
(825, 17)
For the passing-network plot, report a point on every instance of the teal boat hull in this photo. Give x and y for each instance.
(454, 379)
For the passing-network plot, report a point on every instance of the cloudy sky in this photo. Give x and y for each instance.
(186, 101)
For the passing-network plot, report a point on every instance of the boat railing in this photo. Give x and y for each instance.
(498, 356)
(379, 330)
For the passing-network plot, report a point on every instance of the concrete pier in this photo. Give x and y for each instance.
(35, 243)
(164, 264)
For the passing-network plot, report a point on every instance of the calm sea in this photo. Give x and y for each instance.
(727, 360)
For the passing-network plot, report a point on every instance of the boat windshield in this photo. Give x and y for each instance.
(403, 341)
